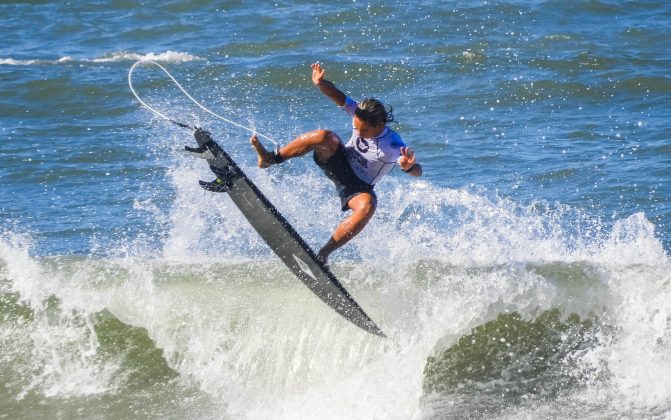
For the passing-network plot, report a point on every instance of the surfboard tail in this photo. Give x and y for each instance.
(201, 152)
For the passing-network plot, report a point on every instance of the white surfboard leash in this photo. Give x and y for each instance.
(201, 106)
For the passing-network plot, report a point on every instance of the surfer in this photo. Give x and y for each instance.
(354, 167)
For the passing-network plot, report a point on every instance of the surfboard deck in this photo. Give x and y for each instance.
(276, 231)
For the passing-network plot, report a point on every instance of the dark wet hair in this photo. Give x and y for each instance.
(373, 112)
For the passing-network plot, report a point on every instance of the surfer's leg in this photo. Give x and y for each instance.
(323, 142)
(363, 207)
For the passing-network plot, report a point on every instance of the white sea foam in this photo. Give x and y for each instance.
(114, 57)
(14, 62)
(167, 57)
(560, 37)
(59, 346)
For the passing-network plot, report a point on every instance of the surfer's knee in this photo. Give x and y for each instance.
(363, 206)
(326, 138)
(326, 143)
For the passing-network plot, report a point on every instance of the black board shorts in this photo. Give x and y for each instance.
(347, 184)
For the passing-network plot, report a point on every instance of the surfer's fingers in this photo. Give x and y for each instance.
(407, 152)
(317, 72)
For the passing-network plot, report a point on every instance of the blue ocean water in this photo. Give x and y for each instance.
(543, 216)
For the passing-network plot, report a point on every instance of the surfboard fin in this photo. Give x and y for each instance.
(218, 185)
(201, 152)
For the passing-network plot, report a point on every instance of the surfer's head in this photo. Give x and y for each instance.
(371, 116)
(373, 112)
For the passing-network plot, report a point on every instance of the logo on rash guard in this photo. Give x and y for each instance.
(356, 158)
(362, 144)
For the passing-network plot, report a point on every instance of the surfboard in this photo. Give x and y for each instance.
(276, 231)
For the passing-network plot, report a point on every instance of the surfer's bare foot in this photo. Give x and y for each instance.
(266, 158)
(323, 258)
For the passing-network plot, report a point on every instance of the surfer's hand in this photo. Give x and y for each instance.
(407, 159)
(317, 74)
(408, 163)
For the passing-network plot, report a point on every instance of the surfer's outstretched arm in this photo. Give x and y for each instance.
(327, 87)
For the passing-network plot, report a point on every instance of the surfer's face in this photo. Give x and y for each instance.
(367, 129)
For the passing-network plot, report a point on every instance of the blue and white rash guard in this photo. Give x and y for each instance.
(371, 158)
